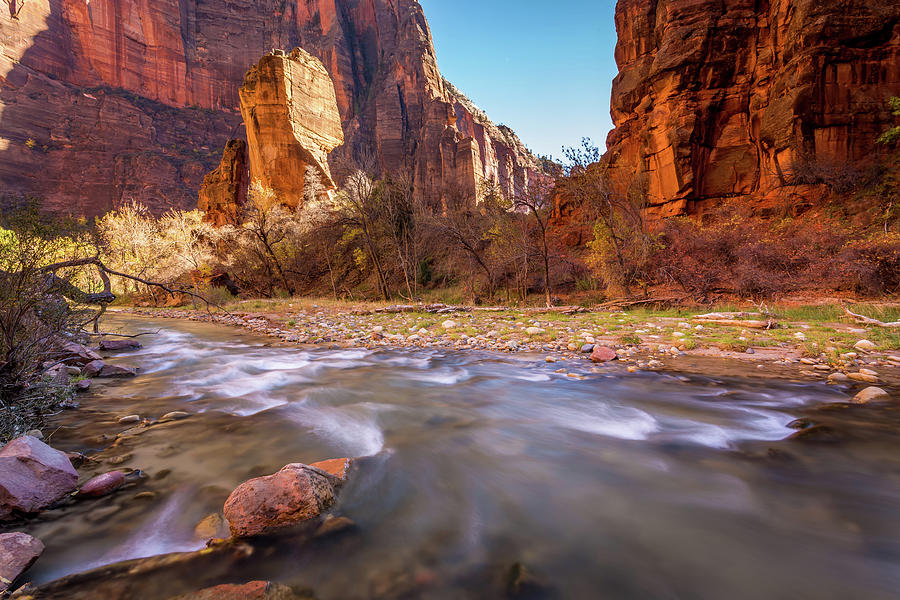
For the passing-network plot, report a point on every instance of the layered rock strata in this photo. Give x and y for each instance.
(105, 101)
(292, 122)
(224, 191)
(717, 100)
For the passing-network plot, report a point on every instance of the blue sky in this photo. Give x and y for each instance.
(543, 68)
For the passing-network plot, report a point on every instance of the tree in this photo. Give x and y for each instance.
(359, 201)
(615, 203)
(265, 239)
(537, 201)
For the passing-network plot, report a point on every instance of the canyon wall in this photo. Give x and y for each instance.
(292, 122)
(109, 100)
(717, 100)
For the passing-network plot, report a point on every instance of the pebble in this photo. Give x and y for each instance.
(175, 415)
(838, 378)
(863, 377)
(448, 324)
(129, 419)
(865, 346)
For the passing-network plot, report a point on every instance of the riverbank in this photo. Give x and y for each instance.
(811, 343)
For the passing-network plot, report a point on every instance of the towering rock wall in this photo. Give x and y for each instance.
(105, 100)
(292, 121)
(718, 100)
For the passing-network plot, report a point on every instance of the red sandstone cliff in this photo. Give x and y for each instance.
(718, 100)
(108, 100)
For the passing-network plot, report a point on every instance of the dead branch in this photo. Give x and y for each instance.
(105, 297)
(863, 320)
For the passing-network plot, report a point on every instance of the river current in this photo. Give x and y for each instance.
(621, 485)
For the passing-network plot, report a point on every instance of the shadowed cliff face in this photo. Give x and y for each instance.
(137, 99)
(718, 100)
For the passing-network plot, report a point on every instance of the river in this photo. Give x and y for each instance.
(621, 485)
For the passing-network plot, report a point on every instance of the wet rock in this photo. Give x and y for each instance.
(817, 433)
(294, 494)
(333, 526)
(33, 476)
(103, 370)
(587, 349)
(73, 353)
(102, 485)
(35, 433)
(838, 378)
(129, 419)
(602, 354)
(338, 467)
(119, 345)
(145, 496)
(175, 415)
(800, 424)
(255, 590)
(211, 527)
(870, 394)
(863, 377)
(18, 551)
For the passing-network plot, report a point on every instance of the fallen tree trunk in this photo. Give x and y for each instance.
(863, 320)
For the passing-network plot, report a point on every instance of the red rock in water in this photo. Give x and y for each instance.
(602, 354)
(33, 476)
(255, 590)
(101, 485)
(294, 494)
(104, 370)
(18, 551)
(339, 467)
(118, 345)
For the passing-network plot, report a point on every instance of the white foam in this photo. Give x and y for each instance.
(353, 428)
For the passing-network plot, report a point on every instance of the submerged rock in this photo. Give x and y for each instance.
(18, 551)
(212, 526)
(294, 494)
(33, 476)
(102, 485)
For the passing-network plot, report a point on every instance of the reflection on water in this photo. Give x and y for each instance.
(619, 486)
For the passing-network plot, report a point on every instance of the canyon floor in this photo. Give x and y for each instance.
(803, 342)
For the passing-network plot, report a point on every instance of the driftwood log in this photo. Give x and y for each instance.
(863, 320)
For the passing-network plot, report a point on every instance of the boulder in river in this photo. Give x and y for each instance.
(104, 370)
(119, 345)
(73, 353)
(33, 476)
(602, 354)
(18, 551)
(294, 494)
(339, 467)
(255, 590)
(102, 485)
(870, 394)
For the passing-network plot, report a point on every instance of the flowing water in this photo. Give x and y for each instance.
(648, 485)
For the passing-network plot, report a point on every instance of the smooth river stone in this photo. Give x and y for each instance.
(102, 485)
